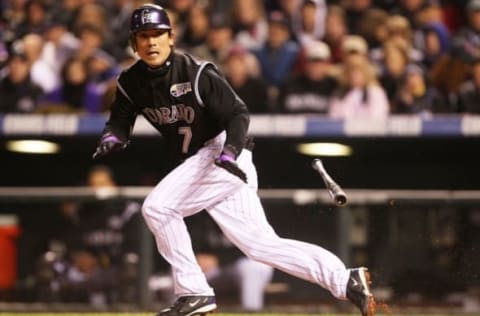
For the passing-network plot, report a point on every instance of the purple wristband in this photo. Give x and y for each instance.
(226, 157)
(111, 138)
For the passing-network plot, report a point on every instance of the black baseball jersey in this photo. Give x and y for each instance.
(187, 101)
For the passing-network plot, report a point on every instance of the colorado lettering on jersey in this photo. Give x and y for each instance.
(170, 115)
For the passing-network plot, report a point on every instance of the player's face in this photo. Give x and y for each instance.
(153, 46)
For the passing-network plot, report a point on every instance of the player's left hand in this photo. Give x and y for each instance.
(227, 162)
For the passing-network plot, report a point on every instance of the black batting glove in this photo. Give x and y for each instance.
(227, 161)
(109, 143)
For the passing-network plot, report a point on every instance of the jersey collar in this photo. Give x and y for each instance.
(163, 69)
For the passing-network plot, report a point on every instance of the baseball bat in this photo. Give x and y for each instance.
(338, 196)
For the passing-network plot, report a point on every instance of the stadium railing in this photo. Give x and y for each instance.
(284, 125)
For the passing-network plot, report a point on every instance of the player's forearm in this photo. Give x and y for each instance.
(121, 129)
(120, 122)
(237, 132)
(224, 104)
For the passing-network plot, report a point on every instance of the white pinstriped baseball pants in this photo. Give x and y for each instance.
(199, 184)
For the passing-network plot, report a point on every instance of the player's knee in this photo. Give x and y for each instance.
(146, 211)
(157, 212)
(149, 210)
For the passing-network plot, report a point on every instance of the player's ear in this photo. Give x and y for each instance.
(171, 38)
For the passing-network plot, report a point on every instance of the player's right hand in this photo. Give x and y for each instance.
(228, 163)
(109, 143)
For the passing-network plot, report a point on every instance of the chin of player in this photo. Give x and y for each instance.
(153, 61)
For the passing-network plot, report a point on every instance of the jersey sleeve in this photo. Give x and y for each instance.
(225, 105)
(122, 115)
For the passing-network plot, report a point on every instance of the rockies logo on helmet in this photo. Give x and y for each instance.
(149, 16)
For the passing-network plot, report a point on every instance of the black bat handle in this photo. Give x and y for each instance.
(338, 195)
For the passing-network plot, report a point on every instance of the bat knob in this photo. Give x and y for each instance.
(340, 199)
(315, 164)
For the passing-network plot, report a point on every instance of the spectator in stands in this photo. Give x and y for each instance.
(372, 27)
(40, 72)
(466, 42)
(296, 11)
(14, 14)
(18, 93)
(311, 91)
(278, 56)
(219, 40)
(359, 95)
(354, 44)
(355, 11)
(92, 42)
(245, 81)
(92, 14)
(289, 7)
(100, 245)
(335, 31)
(118, 17)
(181, 9)
(94, 33)
(309, 23)
(196, 28)
(177, 24)
(3, 56)
(59, 47)
(447, 75)
(101, 66)
(77, 93)
(391, 68)
(35, 20)
(431, 13)
(102, 70)
(469, 92)
(436, 43)
(410, 10)
(351, 45)
(416, 96)
(450, 69)
(398, 30)
(66, 11)
(250, 23)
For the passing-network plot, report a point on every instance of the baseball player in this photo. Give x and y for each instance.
(204, 124)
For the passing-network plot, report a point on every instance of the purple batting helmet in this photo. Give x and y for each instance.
(149, 16)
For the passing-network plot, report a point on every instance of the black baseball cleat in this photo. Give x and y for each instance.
(190, 305)
(358, 291)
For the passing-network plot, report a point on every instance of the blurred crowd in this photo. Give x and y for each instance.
(342, 58)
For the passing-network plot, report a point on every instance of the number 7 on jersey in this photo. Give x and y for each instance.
(186, 131)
